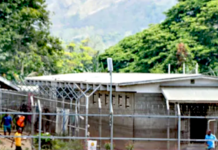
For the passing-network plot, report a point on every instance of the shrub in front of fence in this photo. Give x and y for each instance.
(107, 146)
(66, 145)
(129, 146)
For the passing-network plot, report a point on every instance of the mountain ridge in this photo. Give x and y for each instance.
(108, 20)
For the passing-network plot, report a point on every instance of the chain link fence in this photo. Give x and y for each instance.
(65, 112)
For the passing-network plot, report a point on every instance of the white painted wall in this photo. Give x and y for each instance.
(155, 87)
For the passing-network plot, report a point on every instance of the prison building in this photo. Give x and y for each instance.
(138, 94)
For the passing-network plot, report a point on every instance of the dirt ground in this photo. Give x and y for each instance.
(5, 143)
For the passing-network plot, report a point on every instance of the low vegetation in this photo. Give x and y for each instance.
(56, 144)
(67, 145)
(129, 146)
(107, 146)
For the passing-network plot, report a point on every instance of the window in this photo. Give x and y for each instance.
(100, 96)
(127, 101)
(192, 81)
(95, 98)
(106, 99)
(119, 100)
(113, 99)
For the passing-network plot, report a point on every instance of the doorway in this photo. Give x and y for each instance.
(198, 127)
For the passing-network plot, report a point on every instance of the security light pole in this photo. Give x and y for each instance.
(110, 69)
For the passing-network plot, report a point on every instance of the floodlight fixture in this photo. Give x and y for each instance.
(110, 64)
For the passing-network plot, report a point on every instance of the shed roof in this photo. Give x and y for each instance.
(7, 84)
(191, 94)
(121, 79)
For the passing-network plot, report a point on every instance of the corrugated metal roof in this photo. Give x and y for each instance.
(191, 94)
(121, 79)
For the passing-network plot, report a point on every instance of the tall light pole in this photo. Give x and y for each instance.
(110, 69)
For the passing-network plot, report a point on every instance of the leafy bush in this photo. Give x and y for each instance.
(107, 146)
(129, 146)
(36, 140)
(67, 145)
(46, 143)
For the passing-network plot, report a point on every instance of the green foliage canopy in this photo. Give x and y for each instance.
(25, 42)
(79, 57)
(189, 31)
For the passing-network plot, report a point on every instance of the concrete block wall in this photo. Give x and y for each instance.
(123, 103)
(154, 104)
(133, 127)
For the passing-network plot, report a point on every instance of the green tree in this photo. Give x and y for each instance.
(79, 58)
(25, 43)
(190, 25)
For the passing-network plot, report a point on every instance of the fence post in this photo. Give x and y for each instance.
(63, 111)
(76, 120)
(70, 121)
(40, 124)
(179, 126)
(110, 69)
(78, 112)
(87, 112)
(33, 119)
(169, 68)
(168, 130)
(183, 68)
(0, 99)
(99, 103)
(112, 129)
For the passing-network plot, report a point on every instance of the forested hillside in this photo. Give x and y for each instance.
(105, 22)
(189, 35)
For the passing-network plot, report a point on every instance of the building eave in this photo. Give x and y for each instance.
(167, 80)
